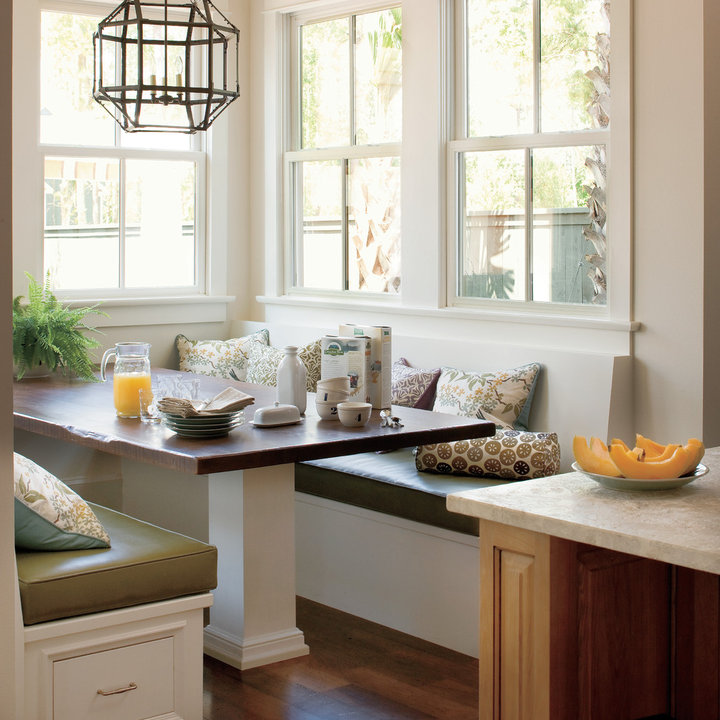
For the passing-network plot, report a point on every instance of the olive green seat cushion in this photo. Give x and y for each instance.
(144, 564)
(390, 483)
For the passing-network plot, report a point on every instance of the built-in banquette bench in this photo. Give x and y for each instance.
(110, 632)
(374, 537)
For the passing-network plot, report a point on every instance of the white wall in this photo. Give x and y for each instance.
(672, 394)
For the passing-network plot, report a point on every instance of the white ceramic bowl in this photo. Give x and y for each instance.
(332, 396)
(327, 410)
(354, 414)
(336, 383)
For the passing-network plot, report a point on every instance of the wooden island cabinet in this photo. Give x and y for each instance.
(598, 604)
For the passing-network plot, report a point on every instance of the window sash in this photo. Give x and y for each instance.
(295, 155)
(462, 143)
(199, 160)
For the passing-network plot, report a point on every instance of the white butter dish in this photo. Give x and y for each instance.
(277, 414)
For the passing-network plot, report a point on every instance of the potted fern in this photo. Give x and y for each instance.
(48, 335)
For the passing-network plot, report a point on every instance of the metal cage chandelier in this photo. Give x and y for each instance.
(165, 65)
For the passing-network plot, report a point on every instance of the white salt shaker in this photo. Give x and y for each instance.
(292, 380)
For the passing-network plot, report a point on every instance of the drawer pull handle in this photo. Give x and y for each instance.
(131, 686)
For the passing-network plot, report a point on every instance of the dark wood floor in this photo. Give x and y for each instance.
(356, 670)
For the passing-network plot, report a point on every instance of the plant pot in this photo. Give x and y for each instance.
(40, 371)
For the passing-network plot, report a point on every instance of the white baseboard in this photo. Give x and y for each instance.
(415, 578)
(246, 654)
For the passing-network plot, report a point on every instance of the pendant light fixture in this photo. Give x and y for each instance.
(165, 65)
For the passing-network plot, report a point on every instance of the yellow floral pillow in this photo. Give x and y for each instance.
(49, 515)
(220, 358)
(504, 396)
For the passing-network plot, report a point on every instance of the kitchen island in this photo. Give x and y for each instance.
(598, 603)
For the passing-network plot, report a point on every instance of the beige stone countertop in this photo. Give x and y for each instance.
(679, 526)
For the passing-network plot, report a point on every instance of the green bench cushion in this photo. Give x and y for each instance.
(144, 564)
(389, 483)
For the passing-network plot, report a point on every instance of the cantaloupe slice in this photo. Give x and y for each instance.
(618, 441)
(631, 467)
(664, 455)
(696, 450)
(597, 462)
(651, 448)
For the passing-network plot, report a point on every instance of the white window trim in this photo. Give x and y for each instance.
(209, 303)
(424, 291)
(617, 310)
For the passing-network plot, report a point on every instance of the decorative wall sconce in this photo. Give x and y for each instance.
(165, 65)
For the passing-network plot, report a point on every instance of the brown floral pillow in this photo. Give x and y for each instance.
(509, 455)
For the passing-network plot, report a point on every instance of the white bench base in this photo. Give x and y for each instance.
(416, 578)
(155, 647)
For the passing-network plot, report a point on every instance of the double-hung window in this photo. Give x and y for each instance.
(343, 166)
(123, 213)
(529, 157)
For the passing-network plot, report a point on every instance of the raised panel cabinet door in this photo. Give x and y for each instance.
(697, 645)
(624, 636)
(514, 624)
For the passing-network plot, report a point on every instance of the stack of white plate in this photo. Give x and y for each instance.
(203, 426)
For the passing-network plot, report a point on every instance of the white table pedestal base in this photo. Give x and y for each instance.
(251, 520)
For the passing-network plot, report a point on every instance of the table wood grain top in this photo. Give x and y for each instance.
(83, 413)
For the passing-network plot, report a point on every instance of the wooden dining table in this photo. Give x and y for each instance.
(237, 490)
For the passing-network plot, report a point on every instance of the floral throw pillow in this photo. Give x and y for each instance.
(509, 455)
(413, 387)
(220, 358)
(263, 361)
(49, 515)
(506, 395)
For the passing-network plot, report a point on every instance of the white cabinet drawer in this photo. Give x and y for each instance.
(128, 683)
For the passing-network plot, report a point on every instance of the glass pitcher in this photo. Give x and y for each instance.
(131, 374)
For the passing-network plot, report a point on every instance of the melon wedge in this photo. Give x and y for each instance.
(631, 467)
(651, 448)
(696, 450)
(618, 441)
(594, 458)
(667, 452)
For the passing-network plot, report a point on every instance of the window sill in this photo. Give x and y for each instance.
(126, 312)
(539, 317)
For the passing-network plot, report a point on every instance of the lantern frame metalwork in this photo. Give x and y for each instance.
(134, 47)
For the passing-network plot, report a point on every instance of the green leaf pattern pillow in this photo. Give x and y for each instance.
(51, 516)
(219, 358)
(502, 394)
(263, 363)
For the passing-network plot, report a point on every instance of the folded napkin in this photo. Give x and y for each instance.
(229, 400)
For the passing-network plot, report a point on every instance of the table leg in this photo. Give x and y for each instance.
(252, 621)
(251, 520)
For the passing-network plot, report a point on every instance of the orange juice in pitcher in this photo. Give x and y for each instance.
(125, 392)
(131, 374)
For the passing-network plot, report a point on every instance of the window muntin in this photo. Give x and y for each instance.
(531, 168)
(121, 210)
(344, 173)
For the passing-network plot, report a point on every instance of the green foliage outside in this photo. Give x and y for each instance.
(47, 333)
(388, 34)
